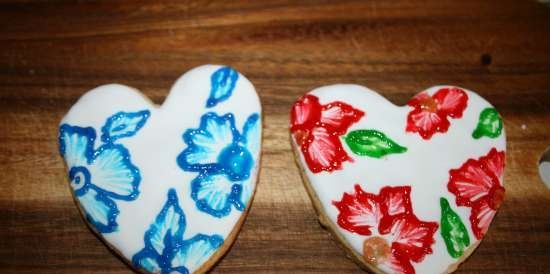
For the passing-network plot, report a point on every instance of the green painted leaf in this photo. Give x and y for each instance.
(489, 124)
(372, 143)
(453, 230)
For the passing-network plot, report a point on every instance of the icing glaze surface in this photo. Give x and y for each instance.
(165, 185)
(420, 183)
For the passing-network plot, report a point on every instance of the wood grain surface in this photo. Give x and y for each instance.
(51, 52)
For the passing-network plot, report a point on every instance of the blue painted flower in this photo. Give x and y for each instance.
(165, 249)
(222, 84)
(224, 159)
(99, 176)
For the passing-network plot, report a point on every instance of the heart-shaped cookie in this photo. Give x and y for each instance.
(405, 189)
(167, 187)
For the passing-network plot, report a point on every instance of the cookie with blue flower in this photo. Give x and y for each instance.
(101, 176)
(166, 187)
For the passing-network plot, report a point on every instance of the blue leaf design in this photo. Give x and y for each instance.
(165, 249)
(223, 83)
(170, 222)
(252, 134)
(123, 124)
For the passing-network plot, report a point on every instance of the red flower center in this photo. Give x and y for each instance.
(428, 104)
(496, 198)
(376, 250)
(301, 136)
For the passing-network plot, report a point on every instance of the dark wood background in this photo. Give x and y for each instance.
(51, 52)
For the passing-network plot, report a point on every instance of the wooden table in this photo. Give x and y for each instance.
(51, 53)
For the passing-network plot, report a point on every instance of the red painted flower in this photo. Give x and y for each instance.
(316, 128)
(396, 235)
(476, 184)
(430, 112)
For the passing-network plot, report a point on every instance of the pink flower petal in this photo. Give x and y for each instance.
(426, 123)
(451, 101)
(305, 113)
(412, 236)
(400, 263)
(494, 163)
(417, 100)
(337, 117)
(470, 182)
(477, 184)
(396, 200)
(323, 151)
(359, 212)
(481, 216)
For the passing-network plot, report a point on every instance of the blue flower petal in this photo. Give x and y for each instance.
(170, 221)
(195, 251)
(247, 189)
(142, 260)
(123, 124)
(206, 143)
(223, 82)
(252, 135)
(175, 270)
(76, 144)
(113, 172)
(213, 194)
(100, 211)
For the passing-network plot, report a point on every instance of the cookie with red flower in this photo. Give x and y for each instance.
(430, 113)
(394, 236)
(477, 184)
(317, 129)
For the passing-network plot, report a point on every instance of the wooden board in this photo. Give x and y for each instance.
(51, 52)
